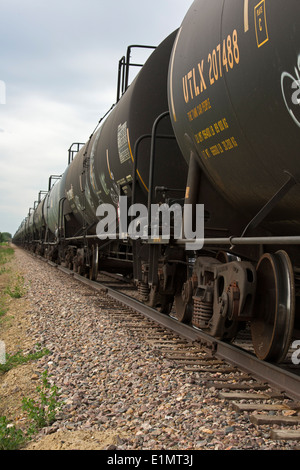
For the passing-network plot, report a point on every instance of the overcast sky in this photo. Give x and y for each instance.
(58, 62)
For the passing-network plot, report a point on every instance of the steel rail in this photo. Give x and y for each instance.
(275, 376)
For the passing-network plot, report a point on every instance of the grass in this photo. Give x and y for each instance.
(42, 411)
(6, 253)
(3, 308)
(16, 289)
(16, 283)
(18, 359)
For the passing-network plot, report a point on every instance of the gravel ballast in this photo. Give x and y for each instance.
(118, 393)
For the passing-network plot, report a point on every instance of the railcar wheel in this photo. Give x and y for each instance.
(184, 311)
(274, 307)
(162, 302)
(183, 306)
(95, 264)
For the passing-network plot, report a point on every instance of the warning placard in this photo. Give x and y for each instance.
(261, 27)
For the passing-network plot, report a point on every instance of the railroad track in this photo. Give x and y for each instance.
(271, 394)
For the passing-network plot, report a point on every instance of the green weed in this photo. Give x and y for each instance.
(43, 412)
(11, 438)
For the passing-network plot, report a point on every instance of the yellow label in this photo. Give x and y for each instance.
(261, 27)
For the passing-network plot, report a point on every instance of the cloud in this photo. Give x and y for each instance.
(59, 64)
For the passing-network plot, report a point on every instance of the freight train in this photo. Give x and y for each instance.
(211, 120)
